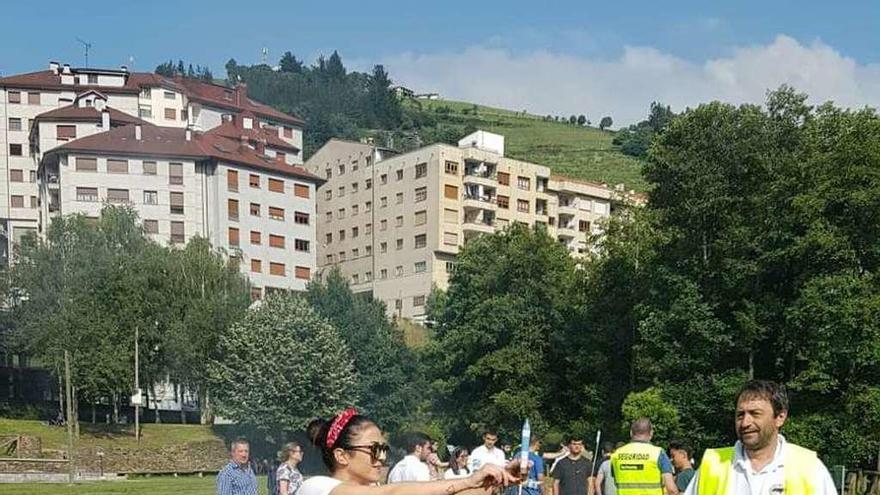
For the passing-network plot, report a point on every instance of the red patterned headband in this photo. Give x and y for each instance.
(338, 425)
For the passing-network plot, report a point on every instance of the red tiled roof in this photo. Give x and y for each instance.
(46, 79)
(72, 113)
(216, 95)
(231, 130)
(172, 142)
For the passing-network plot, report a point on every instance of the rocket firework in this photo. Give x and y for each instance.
(524, 453)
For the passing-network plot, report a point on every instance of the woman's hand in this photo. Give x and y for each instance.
(491, 475)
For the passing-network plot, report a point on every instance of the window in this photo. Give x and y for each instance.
(421, 194)
(33, 98)
(400, 198)
(400, 174)
(341, 235)
(232, 180)
(341, 169)
(255, 209)
(383, 274)
(146, 93)
(383, 247)
(170, 114)
(302, 272)
(329, 259)
(177, 232)
(232, 208)
(368, 206)
(354, 187)
(32, 176)
(450, 215)
(329, 216)
(86, 164)
(383, 179)
(421, 170)
(503, 178)
(450, 238)
(452, 168)
(301, 218)
(14, 96)
(340, 213)
(288, 132)
(177, 203)
(34, 202)
(89, 194)
(450, 191)
(328, 194)
(175, 174)
(276, 241)
(151, 226)
(17, 201)
(15, 150)
(276, 269)
(14, 124)
(16, 175)
(368, 249)
(354, 210)
(117, 196)
(368, 184)
(256, 266)
(421, 241)
(256, 237)
(354, 165)
(383, 225)
(354, 232)
(368, 276)
(328, 238)
(368, 228)
(399, 244)
(276, 185)
(247, 123)
(383, 201)
(301, 245)
(256, 294)
(522, 205)
(450, 267)
(503, 201)
(117, 166)
(583, 226)
(169, 95)
(420, 267)
(418, 301)
(398, 221)
(301, 191)
(145, 111)
(254, 181)
(398, 271)
(151, 197)
(355, 253)
(328, 173)
(523, 183)
(341, 192)
(276, 213)
(233, 236)
(227, 95)
(149, 168)
(62, 132)
(341, 255)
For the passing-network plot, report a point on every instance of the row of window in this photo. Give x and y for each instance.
(274, 185)
(17, 175)
(33, 97)
(275, 240)
(177, 230)
(421, 171)
(274, 212)
(119, 166)
(368, 160)
(16, 201)
(16, 124)
(122, 196)
(279, 269)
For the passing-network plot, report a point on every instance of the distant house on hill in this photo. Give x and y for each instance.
(428, 96)
(403, 92)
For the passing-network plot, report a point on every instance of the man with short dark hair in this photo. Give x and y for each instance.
(573, 473)
(761, 461)
(640, 468)
(681, 461)
(237, 477)
(413, 467)
(487, 453)
(604, 479)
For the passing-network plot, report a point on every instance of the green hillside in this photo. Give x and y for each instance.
(579, 152)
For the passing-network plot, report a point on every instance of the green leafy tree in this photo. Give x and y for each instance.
(282, 365)
(582, 120)
(290, 64)
(605, 123)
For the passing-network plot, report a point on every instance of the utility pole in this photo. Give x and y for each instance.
(137, 389)
(70, 419)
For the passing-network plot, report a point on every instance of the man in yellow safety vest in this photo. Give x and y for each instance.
(762, 462)
(640, 468)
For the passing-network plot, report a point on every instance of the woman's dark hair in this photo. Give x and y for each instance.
(319, 428)
(453, 464)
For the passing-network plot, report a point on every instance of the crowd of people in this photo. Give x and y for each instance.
(355, 452)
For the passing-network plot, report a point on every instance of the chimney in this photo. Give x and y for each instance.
(240, 93)
(261, 146)
(66, 69)
(53, 66)
(244, 141)
(105, 119)
(189, 134)
(137, 132)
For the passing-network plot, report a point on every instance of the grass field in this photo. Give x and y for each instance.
(140, 486)
(578, 152)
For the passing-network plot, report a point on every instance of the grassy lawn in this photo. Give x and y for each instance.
(140, 486)
(154, 436)
(578, 152)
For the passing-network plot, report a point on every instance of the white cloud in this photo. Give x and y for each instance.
(544, 82)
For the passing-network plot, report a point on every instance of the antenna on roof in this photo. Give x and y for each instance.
(87, 46)
(265, 58)
(131, 61)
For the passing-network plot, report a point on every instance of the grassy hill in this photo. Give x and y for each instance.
(578, 152)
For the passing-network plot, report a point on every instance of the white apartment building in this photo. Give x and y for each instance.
(185, 183)
(395, 223)
(28, 98)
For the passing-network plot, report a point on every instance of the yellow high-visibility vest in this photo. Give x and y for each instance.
(636, 471)
(799, 471)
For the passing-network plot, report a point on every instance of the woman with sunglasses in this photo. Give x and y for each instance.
(458, 464)
(288, 477)
(354, 450)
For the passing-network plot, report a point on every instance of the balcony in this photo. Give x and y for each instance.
(567, 230)
(568, 207)
(484, 201)
(477, 225)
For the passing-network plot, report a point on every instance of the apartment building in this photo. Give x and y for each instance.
(185, 183)
(63, 93)
(395, 223)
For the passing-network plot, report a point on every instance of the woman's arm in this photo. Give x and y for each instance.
(481, 482)
(282, 487)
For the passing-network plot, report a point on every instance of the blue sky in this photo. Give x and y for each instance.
(408, 35)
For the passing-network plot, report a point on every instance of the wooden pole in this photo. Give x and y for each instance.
(137, 389)
(70, 419)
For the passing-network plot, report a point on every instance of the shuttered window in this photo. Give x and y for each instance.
(301, 190)
(276, 185)
(117, 166)
(86, 164)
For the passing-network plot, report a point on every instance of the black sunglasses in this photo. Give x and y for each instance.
(378, 451)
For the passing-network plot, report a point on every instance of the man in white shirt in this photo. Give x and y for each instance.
(413, 467)
(487, 453)
(761, 462)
